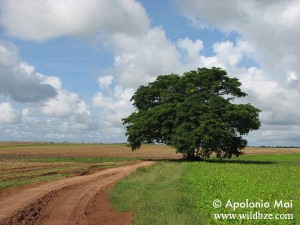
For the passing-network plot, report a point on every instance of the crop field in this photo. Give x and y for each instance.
(85, 150)
(184, 192)
(170, 192)
(25, 163)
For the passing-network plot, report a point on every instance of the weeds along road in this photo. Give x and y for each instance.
(60, 202)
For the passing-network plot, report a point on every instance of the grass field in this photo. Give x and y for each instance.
(183, 192)
(172, 191)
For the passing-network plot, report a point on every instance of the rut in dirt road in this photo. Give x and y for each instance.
(63, 201)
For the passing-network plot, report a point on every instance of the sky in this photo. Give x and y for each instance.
(69, 68)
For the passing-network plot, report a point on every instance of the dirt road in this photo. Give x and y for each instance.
(74, 200)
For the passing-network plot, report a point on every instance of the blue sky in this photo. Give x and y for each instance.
(68, 69)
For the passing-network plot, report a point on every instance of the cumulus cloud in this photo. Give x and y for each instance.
(192, 48)
(140, 52)
(44, 105)
(18, 80)
(65, 103)
(8, 114)
(227, 54)
(63, 118)
(139, 59)
(105, 81)
(270, 27)
(114, 105)
(67, 106)
(40, 20)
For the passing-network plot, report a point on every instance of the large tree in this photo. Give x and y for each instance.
(194, 113)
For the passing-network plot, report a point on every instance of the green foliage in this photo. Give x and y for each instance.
(193, 113)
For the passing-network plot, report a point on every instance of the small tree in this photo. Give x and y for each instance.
(193, 113)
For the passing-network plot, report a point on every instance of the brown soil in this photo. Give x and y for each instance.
(88, 150)
(76, 200)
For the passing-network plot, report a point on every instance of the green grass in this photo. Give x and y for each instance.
(156, 195)
(287, 159)
(183, 193)
(238, 182)
(20, 182)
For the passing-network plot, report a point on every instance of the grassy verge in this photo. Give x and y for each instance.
(157, 195)
(183, 193)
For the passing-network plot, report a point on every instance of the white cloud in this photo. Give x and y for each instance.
(292, 76)
(63, 105)
(68, 107)
(8, 55)
(114, 106)
(105, 81)
(18, 80)
(227, 54)
(40, 20)
(8, 114)
(139, 59)
(28, 69)
(51, 80)
(43, 113)
(270, 27)
(193, 48)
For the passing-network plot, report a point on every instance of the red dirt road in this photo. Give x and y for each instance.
(74, 200)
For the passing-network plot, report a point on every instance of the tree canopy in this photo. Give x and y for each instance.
(194, 113)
